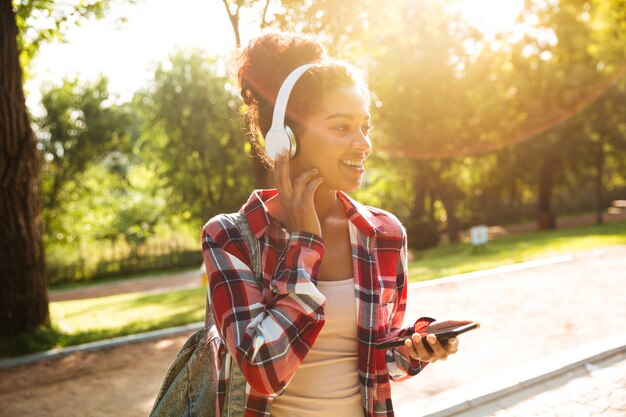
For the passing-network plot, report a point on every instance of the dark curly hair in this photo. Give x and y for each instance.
(264, 65)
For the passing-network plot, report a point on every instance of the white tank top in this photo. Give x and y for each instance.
(327, 381)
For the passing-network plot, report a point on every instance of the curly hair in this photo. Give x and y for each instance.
(267, 61)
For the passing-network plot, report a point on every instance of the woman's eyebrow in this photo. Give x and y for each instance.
(343, 115)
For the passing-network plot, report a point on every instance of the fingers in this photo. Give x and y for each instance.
(281, 175)
(439, 352)
(432, 352)
(452, 346)
(296, 197)
(311, 187)
(303, 182)
(416, 348)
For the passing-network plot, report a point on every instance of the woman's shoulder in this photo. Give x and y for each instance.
(387, 221)
(222, 228)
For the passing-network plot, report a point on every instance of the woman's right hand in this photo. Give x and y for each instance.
(297, 198)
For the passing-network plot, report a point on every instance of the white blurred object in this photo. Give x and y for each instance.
(479, 235)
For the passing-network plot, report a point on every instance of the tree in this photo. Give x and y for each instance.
(428, 105)
(78, 128)
(196, 128)
(569, 60)
(23, 295)
(23, 283)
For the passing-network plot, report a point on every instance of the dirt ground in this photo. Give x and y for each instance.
(121, 381)
(579, 301)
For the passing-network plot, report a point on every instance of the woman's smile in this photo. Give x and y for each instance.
(354, 166)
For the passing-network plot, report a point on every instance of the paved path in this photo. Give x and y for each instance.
(599, 393)
(525, 315)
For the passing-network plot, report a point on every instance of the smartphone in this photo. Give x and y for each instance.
(443, 333)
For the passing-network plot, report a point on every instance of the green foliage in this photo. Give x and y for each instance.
(464, 124)
(80, 128)
(95, 262)
(99, 187)
(193, 125)
(421, 234)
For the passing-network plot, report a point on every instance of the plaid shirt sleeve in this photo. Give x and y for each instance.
(400, 365)
(268, 333)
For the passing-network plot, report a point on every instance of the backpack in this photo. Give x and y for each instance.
(190, 384)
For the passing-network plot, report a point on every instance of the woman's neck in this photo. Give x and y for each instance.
(327, 204)
(327, 207)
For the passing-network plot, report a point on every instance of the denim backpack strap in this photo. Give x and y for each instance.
(253, 244)
(235, 401)
(255, 256)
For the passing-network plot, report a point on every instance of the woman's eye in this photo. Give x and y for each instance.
(366, 129)
(342, 128)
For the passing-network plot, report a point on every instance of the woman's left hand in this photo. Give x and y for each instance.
(418, 351)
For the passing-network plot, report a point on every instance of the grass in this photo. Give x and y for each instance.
(82, 321)
(461, 257)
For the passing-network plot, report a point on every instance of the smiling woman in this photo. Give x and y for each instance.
(305, 332)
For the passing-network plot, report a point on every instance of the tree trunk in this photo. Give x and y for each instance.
(598, 180)
(234, 21)
(545, 214)
(23, 282)
(513, 192)
(419, 200)
(432, 200)
(450, 204)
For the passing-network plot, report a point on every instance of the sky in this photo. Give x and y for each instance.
(127, 53)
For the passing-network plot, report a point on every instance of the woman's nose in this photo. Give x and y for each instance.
(363, 143)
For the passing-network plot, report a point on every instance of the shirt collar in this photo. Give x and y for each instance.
(256, 212)
(258, 217)
(361, 216)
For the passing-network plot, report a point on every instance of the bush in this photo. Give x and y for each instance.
(422, 235)
(95, 260)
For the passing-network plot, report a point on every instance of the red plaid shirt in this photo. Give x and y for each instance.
(269, 331)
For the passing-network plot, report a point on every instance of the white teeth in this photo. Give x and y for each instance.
(353, 163)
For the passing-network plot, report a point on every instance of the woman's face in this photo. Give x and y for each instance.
(336, 140)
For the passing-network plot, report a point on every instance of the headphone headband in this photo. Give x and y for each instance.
(281, 137)
(280, 107)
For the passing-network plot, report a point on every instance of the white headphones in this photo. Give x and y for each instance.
(280, 136)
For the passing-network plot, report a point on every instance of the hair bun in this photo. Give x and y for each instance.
(270, 58)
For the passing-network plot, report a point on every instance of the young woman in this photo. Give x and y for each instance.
(334, 277)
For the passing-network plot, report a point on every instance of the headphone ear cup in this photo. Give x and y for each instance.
(276, 141)
(294, 144)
